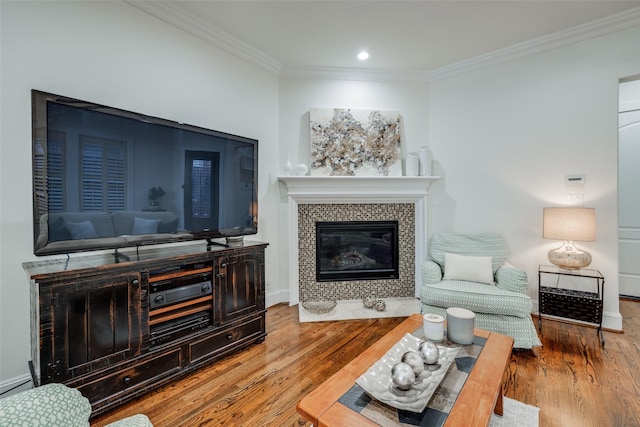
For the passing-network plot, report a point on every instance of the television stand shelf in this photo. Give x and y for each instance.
(115, 330)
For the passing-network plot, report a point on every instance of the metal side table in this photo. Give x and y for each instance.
(559, 300)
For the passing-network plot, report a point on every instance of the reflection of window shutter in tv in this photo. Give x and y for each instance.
(116, 177)
(56, 156)
(103, 174)
(246, 163)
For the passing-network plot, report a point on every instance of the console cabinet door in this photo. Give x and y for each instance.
(241, 283)
(93, 324)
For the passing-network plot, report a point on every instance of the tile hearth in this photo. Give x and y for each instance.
(354, 309)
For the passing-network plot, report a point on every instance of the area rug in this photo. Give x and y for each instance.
(515, 414)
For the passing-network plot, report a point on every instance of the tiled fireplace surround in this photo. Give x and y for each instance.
(323, 198)
(309, 214)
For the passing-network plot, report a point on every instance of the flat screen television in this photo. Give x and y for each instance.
(106, 178)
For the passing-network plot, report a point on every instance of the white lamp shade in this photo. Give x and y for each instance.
(575, 224)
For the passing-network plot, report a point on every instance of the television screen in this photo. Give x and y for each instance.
(109, 178)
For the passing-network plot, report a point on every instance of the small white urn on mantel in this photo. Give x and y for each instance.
(298, 170)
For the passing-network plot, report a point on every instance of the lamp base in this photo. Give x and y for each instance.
(569, 257)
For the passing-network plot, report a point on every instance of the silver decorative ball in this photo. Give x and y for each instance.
(381, 305)
(402, 376)
(413, 359)
(429, 352)
(368, 301)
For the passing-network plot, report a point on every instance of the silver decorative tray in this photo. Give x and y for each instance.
(377, 380)
(319, 306)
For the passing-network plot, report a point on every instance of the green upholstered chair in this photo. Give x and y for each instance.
(471, 271)
(54, 405)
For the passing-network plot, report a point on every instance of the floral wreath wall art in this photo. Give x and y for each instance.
(347, 142)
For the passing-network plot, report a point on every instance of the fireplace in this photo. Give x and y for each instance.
(342, 288)
(313, 199)
(356, 250)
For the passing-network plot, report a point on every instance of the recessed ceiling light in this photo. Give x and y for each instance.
(363, 56)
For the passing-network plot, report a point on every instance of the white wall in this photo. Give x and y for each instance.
(299, 94)
(113, 54)
(505, 138)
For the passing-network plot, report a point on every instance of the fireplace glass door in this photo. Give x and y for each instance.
(356, 250)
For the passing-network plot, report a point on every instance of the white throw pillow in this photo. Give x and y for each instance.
(469, 268)
(81, 230)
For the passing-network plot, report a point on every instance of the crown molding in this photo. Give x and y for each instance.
(358, 74)
(174, 14)
(614, 23)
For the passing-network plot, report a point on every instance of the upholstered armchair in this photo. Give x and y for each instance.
(471, 271)
(55, 405)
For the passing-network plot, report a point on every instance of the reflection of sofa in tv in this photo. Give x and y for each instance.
(90, 230)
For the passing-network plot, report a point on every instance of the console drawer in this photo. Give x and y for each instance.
(226, 340)
(131, 378)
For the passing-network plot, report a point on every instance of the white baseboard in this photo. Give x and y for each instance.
(15, 385)
(278, 297)
(612, 321)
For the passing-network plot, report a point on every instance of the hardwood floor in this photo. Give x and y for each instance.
(573, 380)
(576, 382)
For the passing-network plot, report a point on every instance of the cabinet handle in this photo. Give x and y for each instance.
(223, 265)
(135, 282)
(126, 379)
(229, 336)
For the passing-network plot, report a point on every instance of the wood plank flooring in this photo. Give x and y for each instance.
(573, 380)
(576, 382)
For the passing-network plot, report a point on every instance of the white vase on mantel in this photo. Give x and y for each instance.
(425, 161)
(288, 168)
(412, 165)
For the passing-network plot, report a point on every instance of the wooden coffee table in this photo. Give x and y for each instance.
(480, 396)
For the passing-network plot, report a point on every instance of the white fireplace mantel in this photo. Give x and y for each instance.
(355, 189)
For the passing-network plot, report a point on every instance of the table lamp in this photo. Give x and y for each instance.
(569, 224)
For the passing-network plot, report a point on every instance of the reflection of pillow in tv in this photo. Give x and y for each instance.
(170, 226)
(82, 230)
(145, 226)
(58, 230)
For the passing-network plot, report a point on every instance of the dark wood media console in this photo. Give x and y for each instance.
(115, 330)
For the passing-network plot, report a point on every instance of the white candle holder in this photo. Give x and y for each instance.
(433, 327)
(460, 325)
